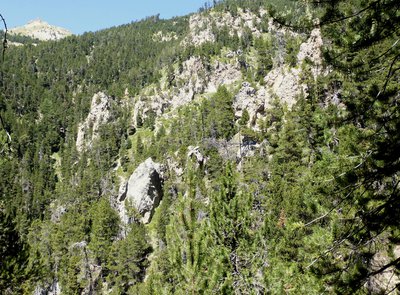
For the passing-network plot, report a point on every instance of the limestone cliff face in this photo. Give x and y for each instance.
(197, 78)
(193, 79)
(99, 114)
(311, 50)
(41, 30)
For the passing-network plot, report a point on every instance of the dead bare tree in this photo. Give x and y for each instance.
(5, 36)
(2, 75)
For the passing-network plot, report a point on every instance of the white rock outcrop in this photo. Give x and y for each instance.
(192, 79)
(312, 50)
(195, 154)
(200, 30)
(285, 84)
(52, 289)
(194, 76)
(143, 191)
(200, 25)
(99, 114)
(223, 74)
(161, 36)
(252, 100)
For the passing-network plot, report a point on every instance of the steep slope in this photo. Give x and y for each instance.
(150, 102)
(213, 153)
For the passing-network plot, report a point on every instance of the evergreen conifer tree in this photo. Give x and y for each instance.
(186, 245)
(231, 232)
(105, 223)
(129, 259)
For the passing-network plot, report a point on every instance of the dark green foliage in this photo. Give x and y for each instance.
(139, 149)
(366, 47)
(292, 49)
(230, 223)
(12, 253)
(129, 259)
(314, 195)
(104, 228)
(219, 117)
(150, 120)
(265, 63)
(245, 118)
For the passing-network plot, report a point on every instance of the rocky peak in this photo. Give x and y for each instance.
(41, 30)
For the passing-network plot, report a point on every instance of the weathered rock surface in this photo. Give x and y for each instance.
(57, 211)
(98, 115)
(194, 78)
(161, 36)
(312, 50)
(143, 190)
(252, 100)
(53, 289)
(223, 74)
(191, 80)
(200, 30)
(285, 84)
(386, 280)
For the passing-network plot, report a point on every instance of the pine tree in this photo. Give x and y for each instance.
(186, 245)
(232, 236)
(105, 222)
(129, 259)
(12, 254)
(364, 53)
(369, 77)
(221, 116)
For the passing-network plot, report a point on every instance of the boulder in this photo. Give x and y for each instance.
(143, 190)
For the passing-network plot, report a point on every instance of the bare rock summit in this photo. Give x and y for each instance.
(41, 30)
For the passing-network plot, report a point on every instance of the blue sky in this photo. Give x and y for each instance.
(80, 16)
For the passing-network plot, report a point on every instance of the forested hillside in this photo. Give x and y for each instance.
(250, 148)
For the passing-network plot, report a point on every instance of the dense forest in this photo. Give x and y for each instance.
(272, 131)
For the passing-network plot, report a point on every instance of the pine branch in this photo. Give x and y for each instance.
(395, 262)
(390, 74)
